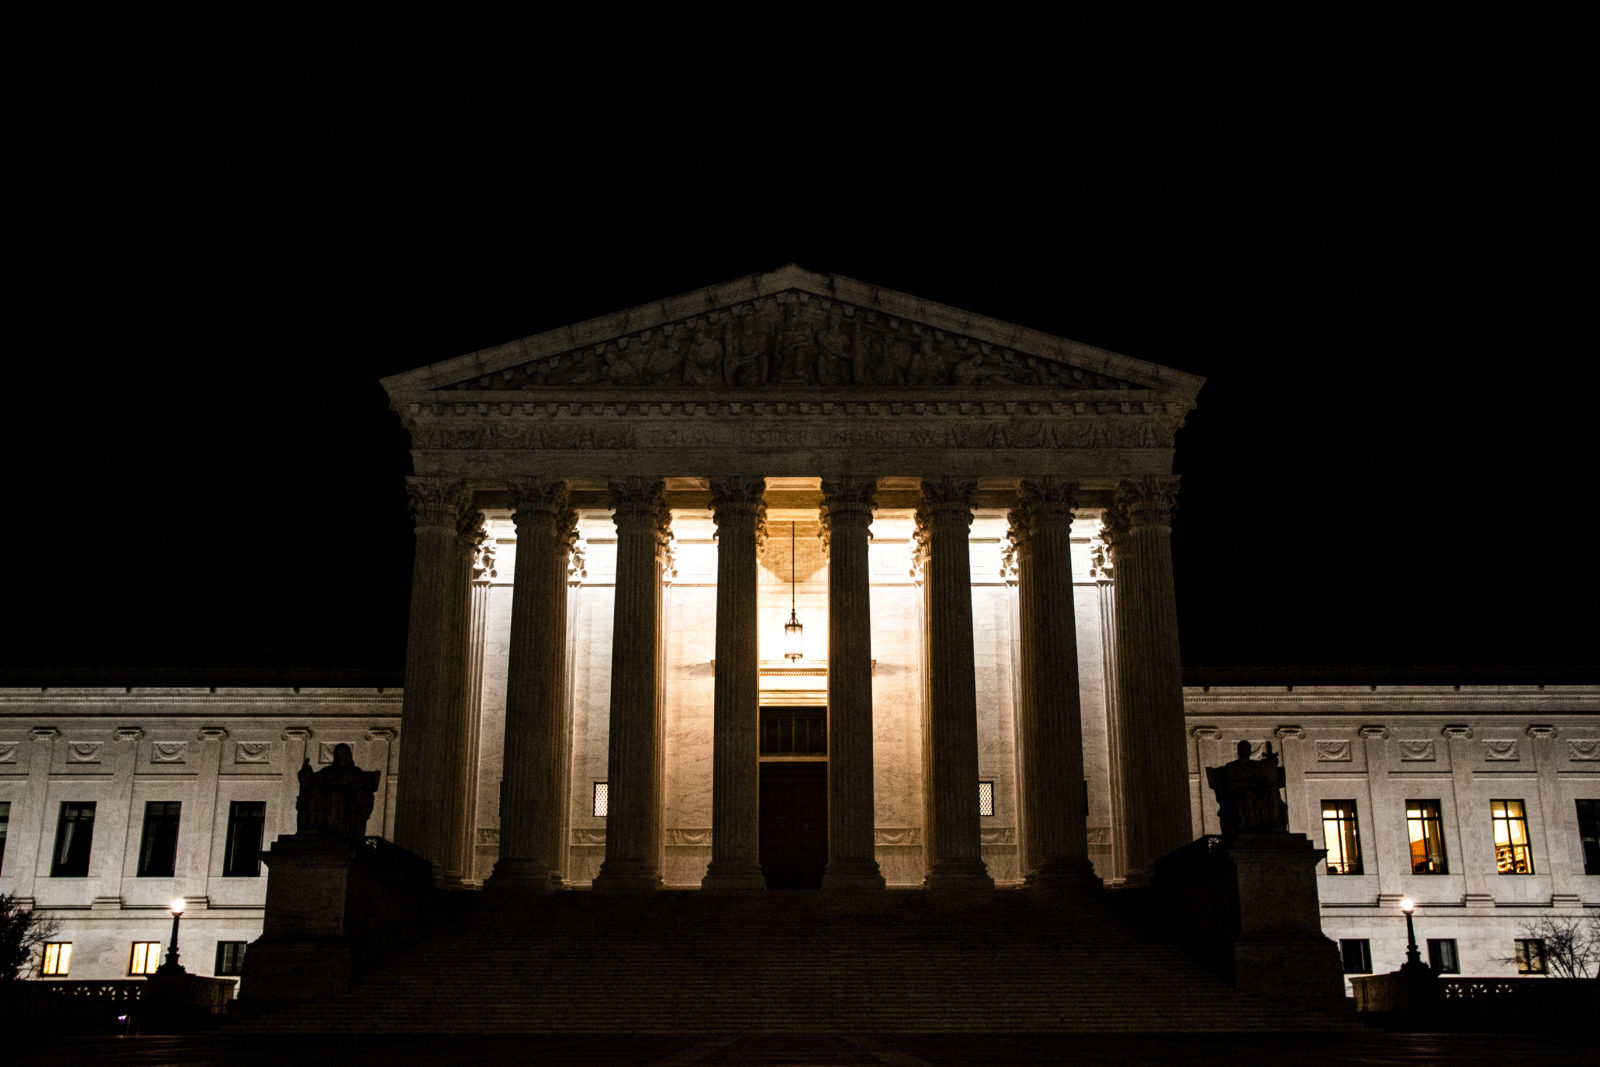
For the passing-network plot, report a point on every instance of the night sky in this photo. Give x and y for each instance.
(1370, 238)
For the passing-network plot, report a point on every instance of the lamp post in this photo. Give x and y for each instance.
(1413, 957)
(171, 964)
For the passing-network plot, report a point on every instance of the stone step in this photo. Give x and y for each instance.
(578, 962)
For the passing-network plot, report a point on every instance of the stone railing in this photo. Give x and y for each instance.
(1480, 1003)
(128, 989)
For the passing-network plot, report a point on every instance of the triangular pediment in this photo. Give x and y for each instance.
(789, 331)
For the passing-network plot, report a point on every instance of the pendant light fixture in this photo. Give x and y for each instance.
(793, 633)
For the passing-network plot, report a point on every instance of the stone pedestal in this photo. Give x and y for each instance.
(331, 904)
(1247, 907)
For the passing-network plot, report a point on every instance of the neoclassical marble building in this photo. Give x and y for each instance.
(793, 581)
(931, 456)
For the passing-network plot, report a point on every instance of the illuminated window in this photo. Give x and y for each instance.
(1512, 853)
(158, 848)
(74, 836)
(1530, 956)
(1442, 957)
(57, 958)
(1357, 955)
(1426, 830)
(230, 958)
(1340, 837)
(241, 857)
(602, 799)
(985, 798)
(145, 957)
(1588, 834)
(5, 819)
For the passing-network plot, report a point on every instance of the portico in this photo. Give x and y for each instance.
(959, 483)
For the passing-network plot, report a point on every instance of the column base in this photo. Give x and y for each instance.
(853, 875)
(959, 876)
(738, 876)
(522, 876)
(627, 876)
(1075, 877)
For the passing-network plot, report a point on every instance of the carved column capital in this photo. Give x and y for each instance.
(539, 506)
(946, 504)
(1047, 502)
(436, 502)
(740, 500)
(846, 501)
(1144, 501)
(638, 502)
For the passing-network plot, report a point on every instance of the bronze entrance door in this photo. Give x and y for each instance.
(794, 796)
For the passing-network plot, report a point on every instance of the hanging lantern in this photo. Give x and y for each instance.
(794, 644)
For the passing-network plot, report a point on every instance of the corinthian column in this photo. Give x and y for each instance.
(536, 698)
(740, 513)
(950, 720)
(427, 806)
(1049, 719)
(633, 825)
(846, 515)
(1149, 708)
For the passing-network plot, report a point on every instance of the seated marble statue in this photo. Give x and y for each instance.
(336, 800)
(1248, 797)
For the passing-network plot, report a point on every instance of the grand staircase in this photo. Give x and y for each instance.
(896, 962)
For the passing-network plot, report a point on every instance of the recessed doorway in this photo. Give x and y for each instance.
(794, 796)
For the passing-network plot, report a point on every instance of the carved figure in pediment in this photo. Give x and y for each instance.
(703, 358)
(838, 354)
(899, 363)
(748, 352)
(976, 370)
(793, 349)
(625, 366)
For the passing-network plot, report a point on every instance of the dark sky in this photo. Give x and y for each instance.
(1371, 239)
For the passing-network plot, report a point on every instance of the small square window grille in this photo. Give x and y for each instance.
(602, 799)
(986, 798)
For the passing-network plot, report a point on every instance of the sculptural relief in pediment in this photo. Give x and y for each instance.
(792, 339)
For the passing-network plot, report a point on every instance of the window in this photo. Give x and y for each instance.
(602, 799)
(1530, 956)
(241, 857)
(5, 820)
(789, 731)
(145, 957)
(1426, 830)
(1357, 955)
(74, 835)
(1340, 837)
(1442, 955)
(230, 958)
(1512, 853)
(57, 959)
(1588, 833)
(158, 849)
(985, 798)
